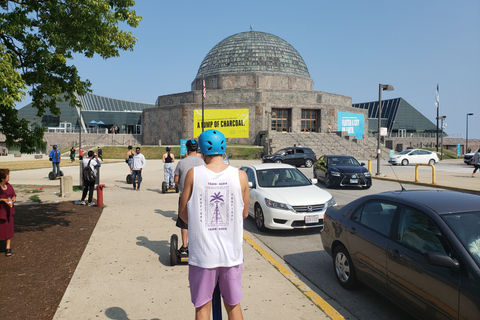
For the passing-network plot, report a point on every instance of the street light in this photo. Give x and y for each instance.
(384, 87)
(466, 140)
(441, 143)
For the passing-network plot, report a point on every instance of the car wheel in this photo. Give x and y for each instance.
(327, 182)
(259, 218)
(404, 162)
(278, 161)
(308, 163)
(431, 161)
(344, 269)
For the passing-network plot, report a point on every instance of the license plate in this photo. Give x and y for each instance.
(353, 180)
(312, 218)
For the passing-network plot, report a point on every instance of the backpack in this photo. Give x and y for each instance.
(88, 173)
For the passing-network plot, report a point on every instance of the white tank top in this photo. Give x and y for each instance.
(215, 219)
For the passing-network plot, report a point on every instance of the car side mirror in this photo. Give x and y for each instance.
(314, 181)
(250, 184)
(441, 260)
(362, 164)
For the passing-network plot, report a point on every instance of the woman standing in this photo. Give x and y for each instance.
(7, 210)
(168, 168)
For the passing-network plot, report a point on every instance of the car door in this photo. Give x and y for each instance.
(299, 156)
(427, 290)
(414, 157)
(321, 167)
(368, 240)
(289, 156)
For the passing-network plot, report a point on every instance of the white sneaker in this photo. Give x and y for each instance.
(80, 202)
(92, 204)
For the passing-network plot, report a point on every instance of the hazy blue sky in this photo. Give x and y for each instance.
(349, 48)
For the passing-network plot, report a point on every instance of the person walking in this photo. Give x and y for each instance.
(183, 166)
(7, 210)
(168, 160)
(55, 157)
(100, 153)
(80, 153)
(72, 154)
(89, 186)
(476, 162)
(138, 163)
(214, 203)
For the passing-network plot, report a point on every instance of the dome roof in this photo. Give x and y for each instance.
(253, 52)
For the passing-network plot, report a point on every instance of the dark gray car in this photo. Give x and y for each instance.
(296, 156)
(421, 249)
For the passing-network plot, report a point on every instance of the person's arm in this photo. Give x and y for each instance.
(163, 158)
(245, 192)
(186, 194)
(176, 179)
(173, 157)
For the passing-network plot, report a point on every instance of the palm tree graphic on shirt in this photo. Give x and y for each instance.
(217, 202)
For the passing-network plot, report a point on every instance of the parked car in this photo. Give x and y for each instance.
(282, 197)
(342, 171)
(421, 249)
(296, 156)
(414, 156)
(467, 158)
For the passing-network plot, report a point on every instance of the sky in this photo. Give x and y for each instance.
(349, 47)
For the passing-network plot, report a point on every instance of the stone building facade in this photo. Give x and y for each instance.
(255, 71)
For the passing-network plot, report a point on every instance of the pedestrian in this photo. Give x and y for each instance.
(7, 210)
(476, 161)
(183, 166)
(138, 164)
(55, 157)
(89, 186)
(214, 203)
(129, 158)
(299, 145)
(80, 153)
(72, 154)
(168, 160)
(99, 153)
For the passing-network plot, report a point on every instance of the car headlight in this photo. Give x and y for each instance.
(335, 173)
(367, 174)
(331, 202)
(278, 205)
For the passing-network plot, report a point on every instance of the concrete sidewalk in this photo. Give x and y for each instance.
(125, 271)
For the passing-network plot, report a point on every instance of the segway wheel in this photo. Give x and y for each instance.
(177, 190)
(51, 175)
(164, 187)
(129, 179)
(173, 249)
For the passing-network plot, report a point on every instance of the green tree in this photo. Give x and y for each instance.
(37, 39)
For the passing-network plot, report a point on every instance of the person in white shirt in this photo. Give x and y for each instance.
(138, 164)
(214, 203)
(89, 186)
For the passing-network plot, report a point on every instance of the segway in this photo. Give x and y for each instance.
(175, 256)
(166, 188)
(52, 176)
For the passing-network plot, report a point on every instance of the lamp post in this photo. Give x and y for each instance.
(384, 87)
(441, 118)
(466, 140)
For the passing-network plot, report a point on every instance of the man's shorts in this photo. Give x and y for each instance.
(203, 282)
(180, 223)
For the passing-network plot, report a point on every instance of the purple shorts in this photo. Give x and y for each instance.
(203, 282)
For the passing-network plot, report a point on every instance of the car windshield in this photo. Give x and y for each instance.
(275, 178)
(343, 161)
(466, 227)
(405, 151)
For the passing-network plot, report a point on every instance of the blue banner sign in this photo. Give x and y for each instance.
(353, 123)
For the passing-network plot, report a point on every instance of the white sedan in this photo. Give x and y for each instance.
(414, 156)
(282, 197)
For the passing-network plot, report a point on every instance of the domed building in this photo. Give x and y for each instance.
(252, 86)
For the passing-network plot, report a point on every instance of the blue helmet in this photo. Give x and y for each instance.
(212, 142)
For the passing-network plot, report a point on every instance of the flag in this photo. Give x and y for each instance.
(204, 90)
(437, 98)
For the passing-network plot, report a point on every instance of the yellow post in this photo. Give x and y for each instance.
(370, 165)
(422, 164)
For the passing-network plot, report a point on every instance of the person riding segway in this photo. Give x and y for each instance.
(168, 184)
(129, 161)
(55, 156)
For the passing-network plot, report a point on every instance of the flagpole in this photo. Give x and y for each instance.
(203, 98)
(438, 107)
